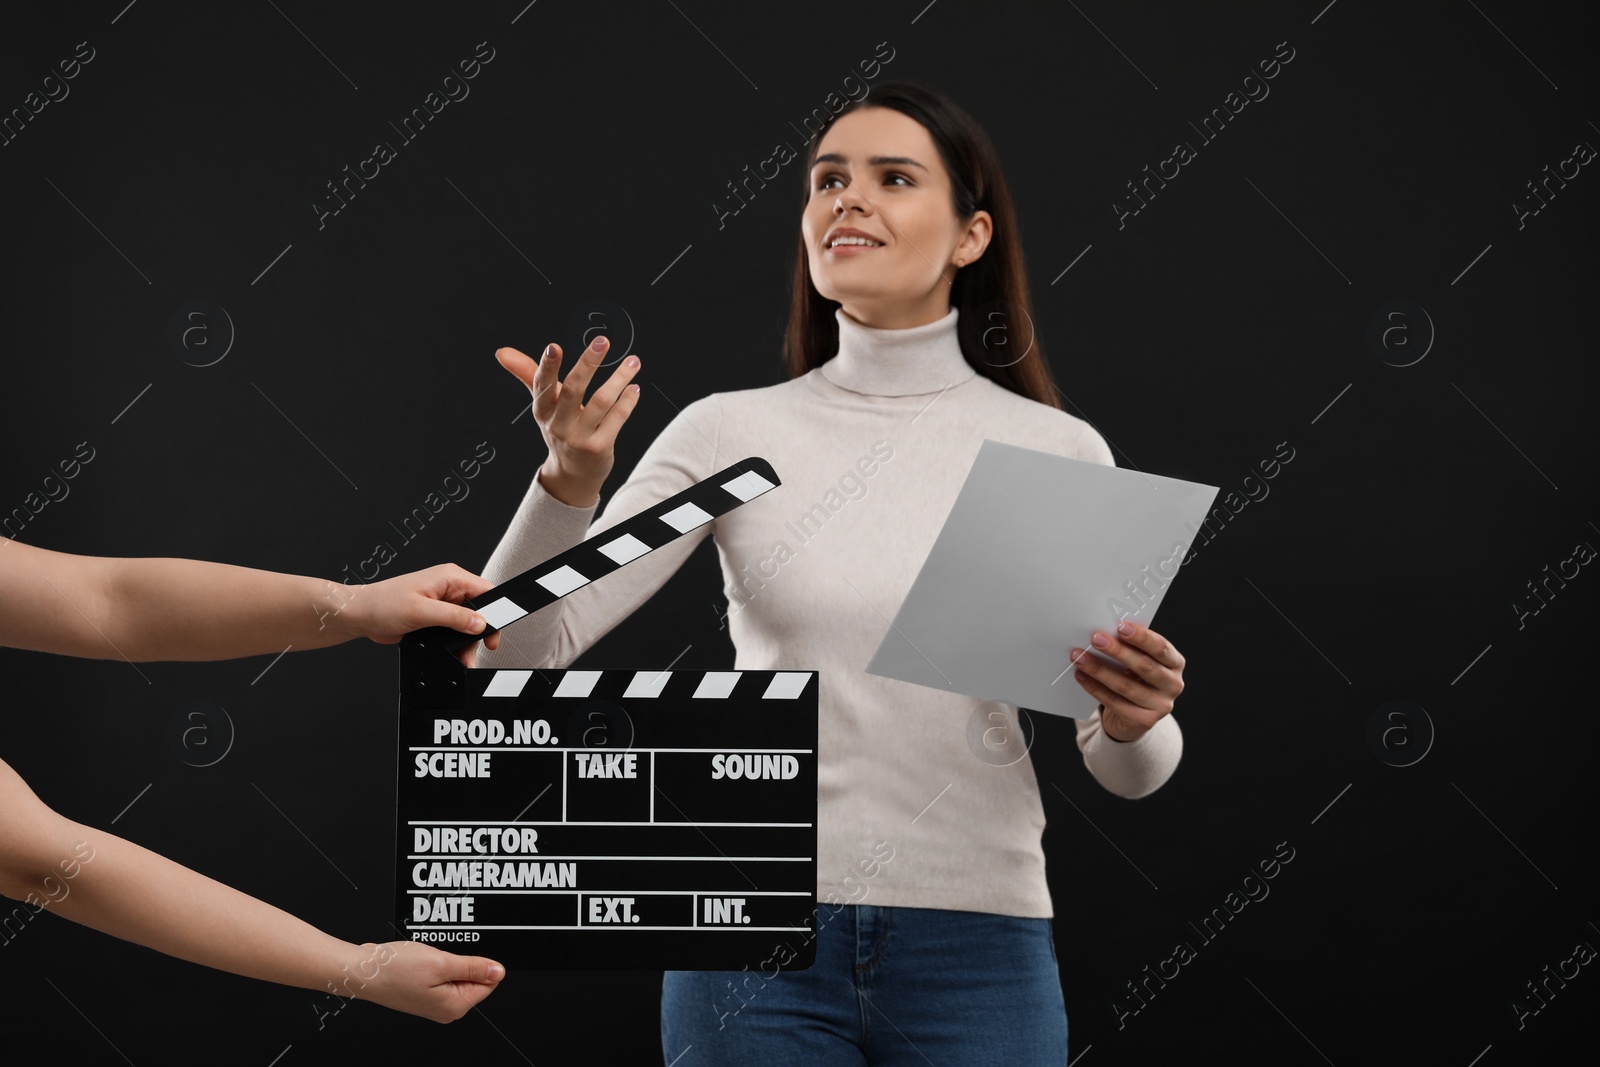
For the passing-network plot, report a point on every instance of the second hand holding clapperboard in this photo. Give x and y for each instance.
(606, 819)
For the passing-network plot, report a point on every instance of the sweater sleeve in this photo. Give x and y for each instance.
(1131, 769)
(682, 454)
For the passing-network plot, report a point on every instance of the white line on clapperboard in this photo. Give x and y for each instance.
(598, 752)
(474, 857)
(632, 928)
(636, 892)
(500, 822)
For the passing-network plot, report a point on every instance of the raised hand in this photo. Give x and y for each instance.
(580, 436)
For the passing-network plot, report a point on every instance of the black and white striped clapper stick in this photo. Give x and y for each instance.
(612, 819)
(428, 676)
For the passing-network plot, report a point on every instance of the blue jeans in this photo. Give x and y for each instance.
(890, 986)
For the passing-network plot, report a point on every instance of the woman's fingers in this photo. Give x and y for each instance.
(617, 414)
(534, 374)
(580, 436)
(605, 398)
(577, 383)
(517, 363)
(547, 384)
(560, 403)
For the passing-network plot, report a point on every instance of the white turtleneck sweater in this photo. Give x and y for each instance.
(872, 448)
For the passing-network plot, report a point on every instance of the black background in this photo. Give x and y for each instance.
(1230, 315)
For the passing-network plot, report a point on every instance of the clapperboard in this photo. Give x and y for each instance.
(606, 819)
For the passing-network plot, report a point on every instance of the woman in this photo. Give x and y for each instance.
(170, 609)
(936, 944)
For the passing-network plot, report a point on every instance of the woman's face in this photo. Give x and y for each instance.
(879, 172)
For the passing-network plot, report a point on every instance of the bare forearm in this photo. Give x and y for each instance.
(168, 609)
(102, 881)
(135, 894)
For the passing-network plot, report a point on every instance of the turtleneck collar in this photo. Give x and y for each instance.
(906, 362)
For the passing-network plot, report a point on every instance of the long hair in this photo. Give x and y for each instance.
(995, 320)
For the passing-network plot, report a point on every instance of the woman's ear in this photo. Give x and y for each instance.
(980, 228)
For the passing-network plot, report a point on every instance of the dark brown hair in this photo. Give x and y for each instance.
(990, 294)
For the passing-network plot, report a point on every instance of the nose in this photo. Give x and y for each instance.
(856, 202)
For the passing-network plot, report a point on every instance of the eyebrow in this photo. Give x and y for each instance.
(873, 161)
